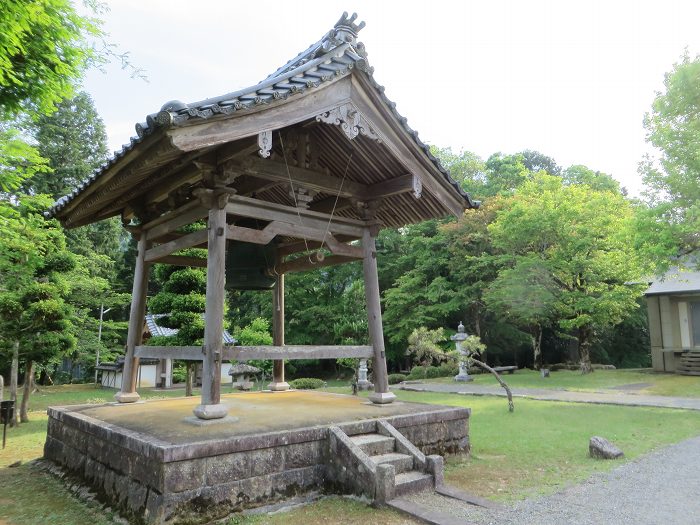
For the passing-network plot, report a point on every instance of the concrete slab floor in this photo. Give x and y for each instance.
(169, 420)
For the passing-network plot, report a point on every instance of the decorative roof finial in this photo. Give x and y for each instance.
(344, 31)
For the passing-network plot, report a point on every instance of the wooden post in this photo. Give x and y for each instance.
(381, 393)
(137, 314)
(278, 383)
(211, 407)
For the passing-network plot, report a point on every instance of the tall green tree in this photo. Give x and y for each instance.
(582, 238)
(35, 317)
(670, 227)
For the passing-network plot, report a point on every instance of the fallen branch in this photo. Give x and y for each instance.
(511, 407)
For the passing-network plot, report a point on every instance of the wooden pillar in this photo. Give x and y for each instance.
(211, 407)
(137, 315)
(278, 383)
(381, 393)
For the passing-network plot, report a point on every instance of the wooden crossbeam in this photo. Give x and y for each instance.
(168, 223)
(276, 228)
(248, 353)
(186, 241)
(269, 211)
(303, 264)
(181, 260)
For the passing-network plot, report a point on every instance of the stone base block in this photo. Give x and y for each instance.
(382, 398)
(282, 386)
(217, 411)
(127, 397)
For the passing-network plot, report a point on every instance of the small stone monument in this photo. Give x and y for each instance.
(458, 338)
(240, 373)
(362, 382)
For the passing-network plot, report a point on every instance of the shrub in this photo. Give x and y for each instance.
(432, 372)
(395, 379)
(417, 372)
(307, 383)
(448, 369)
(179, 373)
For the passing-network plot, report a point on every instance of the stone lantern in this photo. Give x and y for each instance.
(362, 382)
(459, 338)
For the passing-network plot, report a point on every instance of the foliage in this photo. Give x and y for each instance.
(307, 383)
(670, 227)
(423, 345)
(395, 379)
(18, 159)
(580, 239)
(74, 140)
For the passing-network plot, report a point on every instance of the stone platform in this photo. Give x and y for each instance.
(155, 463)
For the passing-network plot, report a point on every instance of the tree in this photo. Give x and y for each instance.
(74, 140)
(18, 159)
(525, 294)
(35, 317)
(582, 239)
(45, 47)
(670, 227)
(423, 345)
(181, 302)
(535, 161)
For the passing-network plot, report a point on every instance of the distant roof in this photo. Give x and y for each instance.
(157, 330)
(335, 55)
(676, 281)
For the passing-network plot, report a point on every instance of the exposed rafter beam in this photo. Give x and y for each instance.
(186, 241)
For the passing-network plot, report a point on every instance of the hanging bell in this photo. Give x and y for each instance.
(247, 265)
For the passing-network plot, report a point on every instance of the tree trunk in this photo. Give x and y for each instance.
(14, 372)
(188, 378)
(28, 380)
(537, 347)
(483, 365)
(584, 348)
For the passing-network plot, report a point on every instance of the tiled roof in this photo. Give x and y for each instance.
(336, 54)
(157, 330)
(675, 281)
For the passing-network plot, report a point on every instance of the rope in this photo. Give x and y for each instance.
(337, 197)
(294, 195)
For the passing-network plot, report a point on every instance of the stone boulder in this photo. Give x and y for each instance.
(601, 448)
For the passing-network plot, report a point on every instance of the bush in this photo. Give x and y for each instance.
(307, 383)
(395, 379)
(448, 369)
(179, 373)
(432, 372)
(417, 372)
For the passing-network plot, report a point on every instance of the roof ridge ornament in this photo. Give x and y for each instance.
(344, 32)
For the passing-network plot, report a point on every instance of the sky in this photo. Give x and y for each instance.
(570, 79)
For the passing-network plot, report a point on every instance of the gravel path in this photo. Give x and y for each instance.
(659, 488)
(605, 398)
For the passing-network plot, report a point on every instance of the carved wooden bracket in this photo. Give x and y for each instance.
(350, 120)
(417, 187)
(265, 143)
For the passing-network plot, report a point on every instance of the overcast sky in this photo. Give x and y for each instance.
(569, 79)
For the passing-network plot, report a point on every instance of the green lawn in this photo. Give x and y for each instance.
(537, 449)
(660, 383)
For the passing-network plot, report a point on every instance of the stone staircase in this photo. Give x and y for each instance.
(690, 364)
(380, 463)
(382, 451)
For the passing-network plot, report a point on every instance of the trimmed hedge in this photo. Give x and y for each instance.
(395, 379)
(307, 383)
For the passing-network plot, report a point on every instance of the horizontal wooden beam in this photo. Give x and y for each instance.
(181, 260)
(170, 222)
(306, 178)
(270, 211)
(186, 241)
(303, 264)
(275, 228)
(248, 353)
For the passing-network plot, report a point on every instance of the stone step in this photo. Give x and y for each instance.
(424, 514)
(402, 462)
(374, 444)
(411, 482)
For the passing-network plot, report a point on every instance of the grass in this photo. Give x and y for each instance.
(538, 449)
(660, 384)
